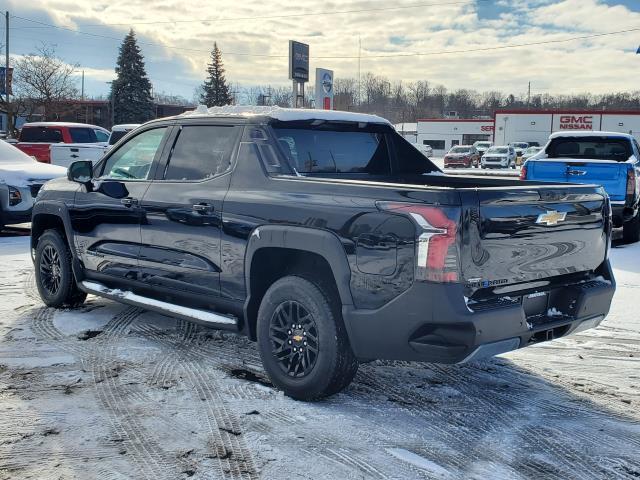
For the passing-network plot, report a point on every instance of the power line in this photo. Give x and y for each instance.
(391, 55)
(287, 15)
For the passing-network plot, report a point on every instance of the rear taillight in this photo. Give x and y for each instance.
(436, 233)
(631, 184)
(523, 172)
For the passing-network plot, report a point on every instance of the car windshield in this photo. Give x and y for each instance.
(339, 147)
(483, 145)
(498, 150)
(532, 150)
(594, 148)
(520, 145)
(460, 150)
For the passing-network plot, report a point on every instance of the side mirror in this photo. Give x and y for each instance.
(81, 172)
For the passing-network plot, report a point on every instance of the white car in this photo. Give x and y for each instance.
(426, 150)
(519, 147)
(499, 157)
(21, 178)
(482, 146)
(530, 152)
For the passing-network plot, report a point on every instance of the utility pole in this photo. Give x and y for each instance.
(6, 70)
(82, 94)
(529, 96)
(359, 55)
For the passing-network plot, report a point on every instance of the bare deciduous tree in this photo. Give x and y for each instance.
(45, 80)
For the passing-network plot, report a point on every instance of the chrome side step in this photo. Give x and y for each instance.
(203, 317)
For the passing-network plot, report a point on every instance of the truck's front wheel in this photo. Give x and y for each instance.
(631, 230)
(54, 275)
(302, 340)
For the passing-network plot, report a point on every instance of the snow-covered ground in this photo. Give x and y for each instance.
(109, 391)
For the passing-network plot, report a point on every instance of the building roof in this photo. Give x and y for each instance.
(284, 114)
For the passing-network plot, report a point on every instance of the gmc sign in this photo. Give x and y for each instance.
(580, 122)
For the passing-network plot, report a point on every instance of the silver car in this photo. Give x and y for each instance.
(499, 157)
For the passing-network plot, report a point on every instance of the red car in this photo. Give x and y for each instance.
(465, 156)
(36, 138)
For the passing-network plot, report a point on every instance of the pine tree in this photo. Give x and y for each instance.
(215, 89)
(131, 90)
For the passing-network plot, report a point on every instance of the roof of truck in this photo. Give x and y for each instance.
(60, 124)
(283, 114)
(582, 133)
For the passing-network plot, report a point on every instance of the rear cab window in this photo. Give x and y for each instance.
(338, 148)
(41, 135)
(593, 148)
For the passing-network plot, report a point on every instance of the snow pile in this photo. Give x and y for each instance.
(284, 114)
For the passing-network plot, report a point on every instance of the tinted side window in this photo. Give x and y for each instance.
(201, 152)
(133, 160)
(41, 134)
(82, 135)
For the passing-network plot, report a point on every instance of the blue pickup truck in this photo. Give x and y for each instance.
(609, 159)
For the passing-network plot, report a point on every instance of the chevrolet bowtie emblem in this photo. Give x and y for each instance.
(551, 217)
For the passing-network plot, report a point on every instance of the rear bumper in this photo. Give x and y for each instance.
(432, 323)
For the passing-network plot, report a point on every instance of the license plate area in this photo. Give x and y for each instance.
(535, 305)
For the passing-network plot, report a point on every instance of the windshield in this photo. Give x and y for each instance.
(460, 150)
(520, 145)
(532, 150)
(594, 148)
(483, 145)
(333, 147)
(11, 155)
(501, 150)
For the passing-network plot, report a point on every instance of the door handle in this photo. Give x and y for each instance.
(203, 208)
(74, 156)
(129, 202)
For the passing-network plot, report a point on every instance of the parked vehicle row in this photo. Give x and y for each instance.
(327, 238)
(61, 143)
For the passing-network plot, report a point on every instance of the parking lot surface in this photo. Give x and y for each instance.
(108, 391)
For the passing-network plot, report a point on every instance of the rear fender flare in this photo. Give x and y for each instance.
(321, 242)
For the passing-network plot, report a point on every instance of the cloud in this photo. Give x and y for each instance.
(598, 65)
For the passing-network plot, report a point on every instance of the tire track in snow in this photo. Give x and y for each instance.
(228, 447)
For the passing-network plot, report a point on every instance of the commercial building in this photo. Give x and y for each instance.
(443, 133)
(536, 125)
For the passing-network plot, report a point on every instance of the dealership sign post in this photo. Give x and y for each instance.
(324, 89)
(298, 70)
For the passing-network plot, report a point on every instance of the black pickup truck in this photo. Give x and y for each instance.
(325, 237)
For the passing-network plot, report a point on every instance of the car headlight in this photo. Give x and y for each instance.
(15, 197)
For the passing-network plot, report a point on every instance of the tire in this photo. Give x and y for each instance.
(631, 230)
(332, 367)
(54, 275)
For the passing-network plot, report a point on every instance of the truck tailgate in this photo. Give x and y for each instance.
(523, 234)
(608, 173)
(40, 151)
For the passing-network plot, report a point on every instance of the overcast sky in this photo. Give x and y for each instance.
(175, 36)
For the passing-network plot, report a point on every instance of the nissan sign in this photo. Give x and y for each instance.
(298, 61)
(324, 89)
